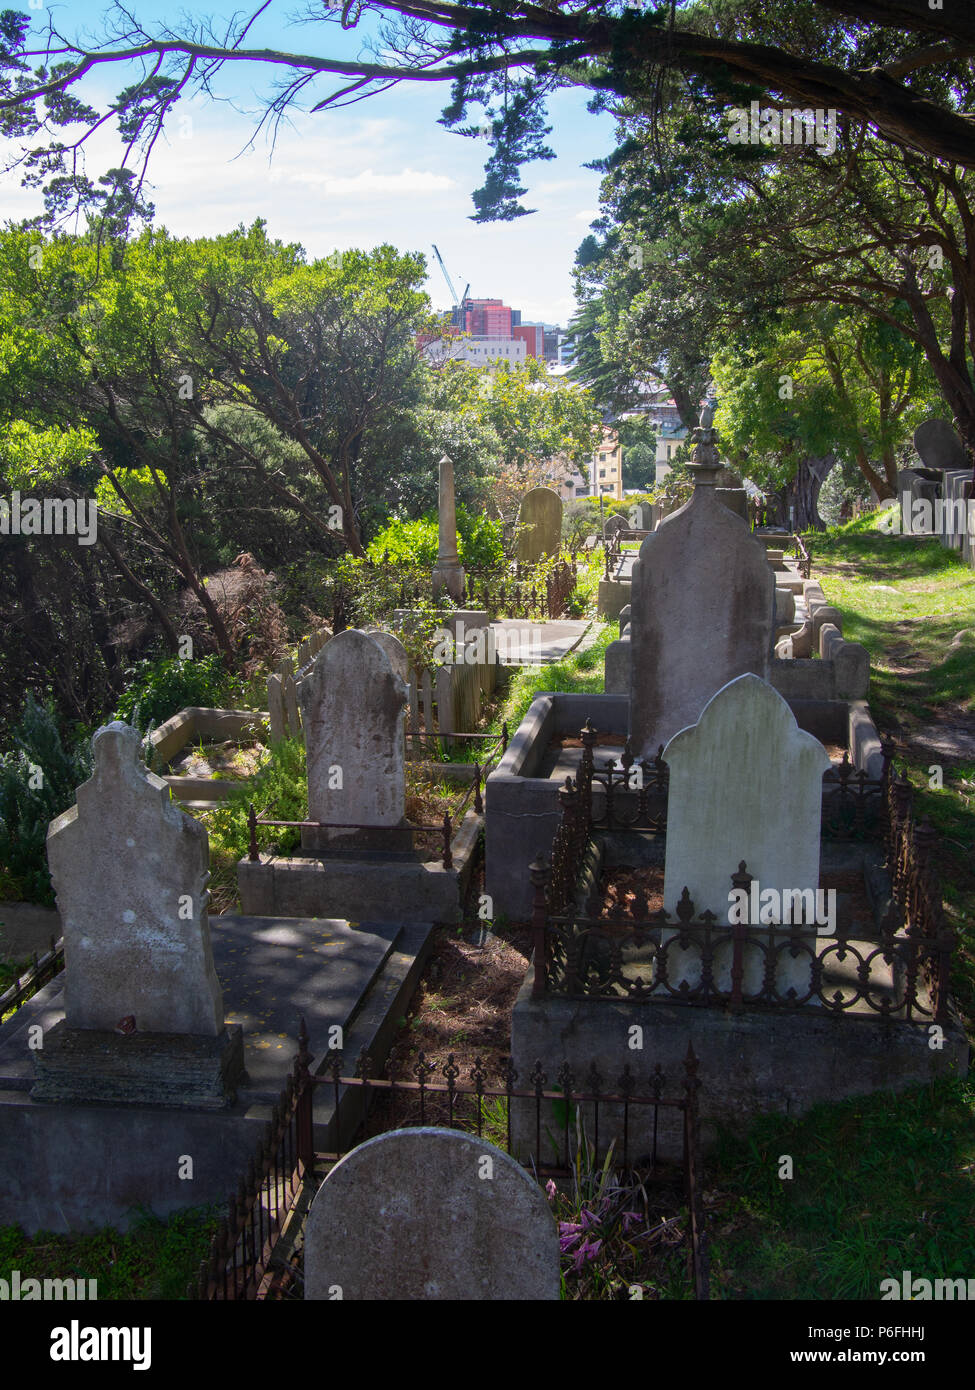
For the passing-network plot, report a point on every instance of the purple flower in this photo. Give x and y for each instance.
(588, 1218)
(550, 1189)
(566, 1242)
(587, 1251)
(630, 1218)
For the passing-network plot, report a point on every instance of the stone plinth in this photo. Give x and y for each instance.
(172, 1069)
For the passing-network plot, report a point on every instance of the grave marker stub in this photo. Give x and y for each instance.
(541, 509)
(430, 1214)
(702, 612)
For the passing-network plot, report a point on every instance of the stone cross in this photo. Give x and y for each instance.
(130, 871)
(352, 712)
(702, 612)
(448, 572)
(430, 1214)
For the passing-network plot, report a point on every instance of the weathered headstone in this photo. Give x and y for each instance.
(702, 612)
(541, 515)
(448, 573)
(939, 446)
(394, 649)
(130, 871)
(352, 706)
(430, 1215)
(746, 784)
(275, 707)
(292, 718)
(614, 524)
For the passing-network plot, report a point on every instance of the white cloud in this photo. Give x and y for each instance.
(368, 183)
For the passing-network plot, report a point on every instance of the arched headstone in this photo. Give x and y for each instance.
(541, 510)
(430, 1214)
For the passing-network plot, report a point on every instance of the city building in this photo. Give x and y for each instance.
(606, 468)
(481, 351)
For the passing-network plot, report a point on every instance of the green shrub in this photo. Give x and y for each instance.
(39, 776)
(161, 687)
(278, 791)
(414, 543)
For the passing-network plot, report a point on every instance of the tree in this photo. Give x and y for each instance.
(508, 61)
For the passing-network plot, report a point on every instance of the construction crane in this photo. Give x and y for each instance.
(458, 303)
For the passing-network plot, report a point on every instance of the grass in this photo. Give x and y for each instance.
(912, 605)
(154, 1259)
(880, 1185)
(579, 671)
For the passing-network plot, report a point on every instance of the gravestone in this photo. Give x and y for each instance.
(938, 445)
(143, 1005)
(275, 707)
(541, 510)
(394, 649)
(746, 783)
(615, 524)
(702, 604)
(430, 1215)
(352, 708)
(641, 516)
(448, 573)
(290, 692)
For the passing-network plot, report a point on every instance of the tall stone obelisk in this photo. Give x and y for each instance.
(448, 572)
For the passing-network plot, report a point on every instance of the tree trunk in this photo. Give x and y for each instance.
(798, 501)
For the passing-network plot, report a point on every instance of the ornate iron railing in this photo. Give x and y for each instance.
(902, 971)
(244, 1258)
(631, 794)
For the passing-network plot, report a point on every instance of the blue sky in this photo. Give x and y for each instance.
(380, 170)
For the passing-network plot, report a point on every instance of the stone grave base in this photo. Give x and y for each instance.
(362, 885)
(74, 1166)
(369, 888)
(335, 841)
(752, 1062)
(172, 1069)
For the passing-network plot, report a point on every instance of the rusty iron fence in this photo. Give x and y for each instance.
(631, 794)
(520, 592)
(900, 971)
(243, 1261)
(41, 970)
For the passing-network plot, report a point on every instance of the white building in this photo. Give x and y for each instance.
(480, 351)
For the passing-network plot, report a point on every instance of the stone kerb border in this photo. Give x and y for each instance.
(522, 808)
(198, 721)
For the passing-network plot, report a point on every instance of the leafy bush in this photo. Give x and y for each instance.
(278, 791)
(161, 687)
(414, 543)
(38, 780)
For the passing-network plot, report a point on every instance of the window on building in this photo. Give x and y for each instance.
(602, 472)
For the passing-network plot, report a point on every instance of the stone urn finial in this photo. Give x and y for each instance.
(705, 464)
